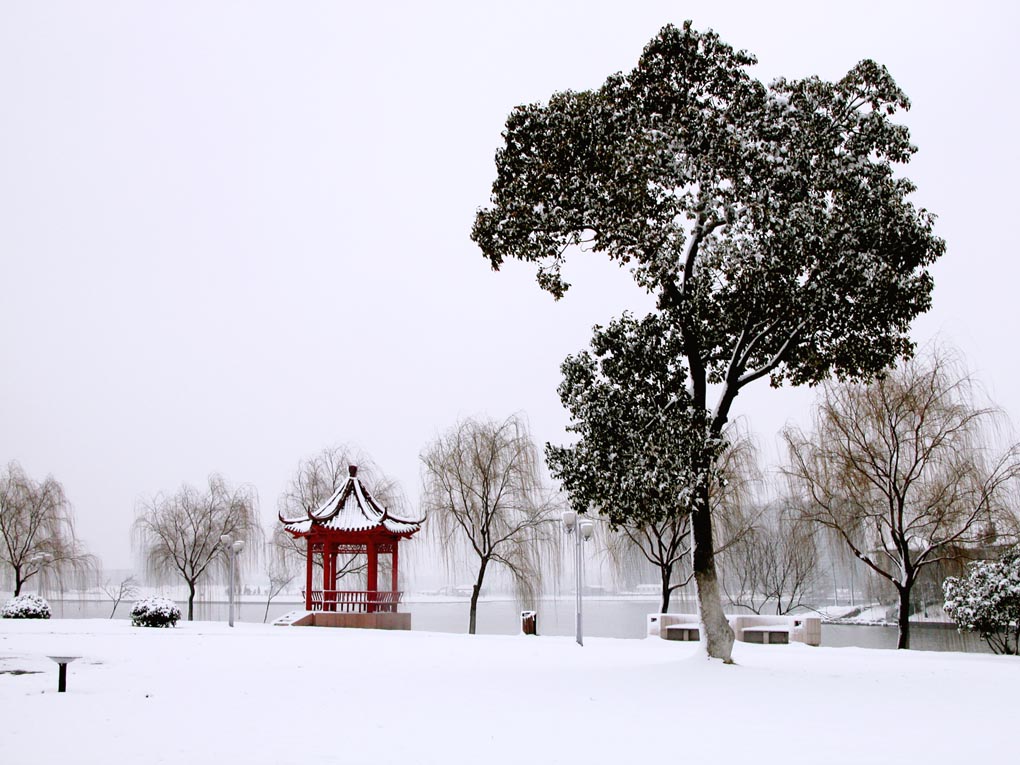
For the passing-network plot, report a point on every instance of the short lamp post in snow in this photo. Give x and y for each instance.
(582, 530)
(233, 549)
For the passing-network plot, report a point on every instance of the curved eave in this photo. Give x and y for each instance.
(403, 528)
(351, 509)
(297, 528)
(388, 528)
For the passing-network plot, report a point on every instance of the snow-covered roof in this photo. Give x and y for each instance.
(351, 508)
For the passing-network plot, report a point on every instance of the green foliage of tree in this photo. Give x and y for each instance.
(639, 441)
(637, 433)
(768, 221)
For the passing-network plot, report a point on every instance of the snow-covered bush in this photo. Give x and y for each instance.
(155, 612)
(986, 600)
(28, 606)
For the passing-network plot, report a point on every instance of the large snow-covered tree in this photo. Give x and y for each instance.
(905, 471)
(767, 220)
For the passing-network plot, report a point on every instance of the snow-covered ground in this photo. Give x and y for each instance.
(203, 693)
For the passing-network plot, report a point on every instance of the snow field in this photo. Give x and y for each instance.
(203, 693)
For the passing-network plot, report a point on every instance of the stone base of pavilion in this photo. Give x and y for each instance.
(376, 621)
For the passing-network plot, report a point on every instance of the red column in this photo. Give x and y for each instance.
(328, 576)
(308, 575)
(373, 573)
(393, 574)
(332, 573)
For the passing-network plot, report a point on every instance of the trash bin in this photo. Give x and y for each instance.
(529, 622)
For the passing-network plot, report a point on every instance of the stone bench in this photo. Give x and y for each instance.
(691, 631)
(766, 635)
(747, 628)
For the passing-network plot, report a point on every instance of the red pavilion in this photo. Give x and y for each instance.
(351, 522)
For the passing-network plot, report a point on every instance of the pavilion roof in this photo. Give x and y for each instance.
(351, 508)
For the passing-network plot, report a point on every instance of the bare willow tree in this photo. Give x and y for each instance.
(37, 529)
(483, 494)
(179, 535)
(316, 479)
(774, 560)
(905, 471)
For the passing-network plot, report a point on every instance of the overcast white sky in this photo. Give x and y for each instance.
(234, 233)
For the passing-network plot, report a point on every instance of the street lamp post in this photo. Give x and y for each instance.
(579, 531)
(233, 549)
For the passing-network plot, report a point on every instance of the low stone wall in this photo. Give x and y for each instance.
(381, 621)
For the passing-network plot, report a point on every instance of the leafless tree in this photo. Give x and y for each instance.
(125, 588)
(485, 502)
(666, 544)
(905, 470)
(774, 560)
(37, 529)
(279, 565)
(317, 477)
(179, 535)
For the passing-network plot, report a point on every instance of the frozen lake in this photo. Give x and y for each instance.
(603, 617)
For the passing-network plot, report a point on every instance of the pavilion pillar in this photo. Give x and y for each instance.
(333, 548)
(328, 576)
(373, 573)
(393, 573)
(308, 574)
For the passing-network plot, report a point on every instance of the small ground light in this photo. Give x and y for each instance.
(62, 662)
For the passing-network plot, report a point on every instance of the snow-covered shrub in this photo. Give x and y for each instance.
(155, 612)
(986, 600)
(29, 606)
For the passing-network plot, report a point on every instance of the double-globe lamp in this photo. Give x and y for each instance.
(232, 549)
(579, 530)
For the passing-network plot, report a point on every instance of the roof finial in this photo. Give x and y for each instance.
(353, 469)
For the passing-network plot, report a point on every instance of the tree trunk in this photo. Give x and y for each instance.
(191, 601)
(666, 572)
(716, 634)
(18, 581)
(474, 596)
(903, 618)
